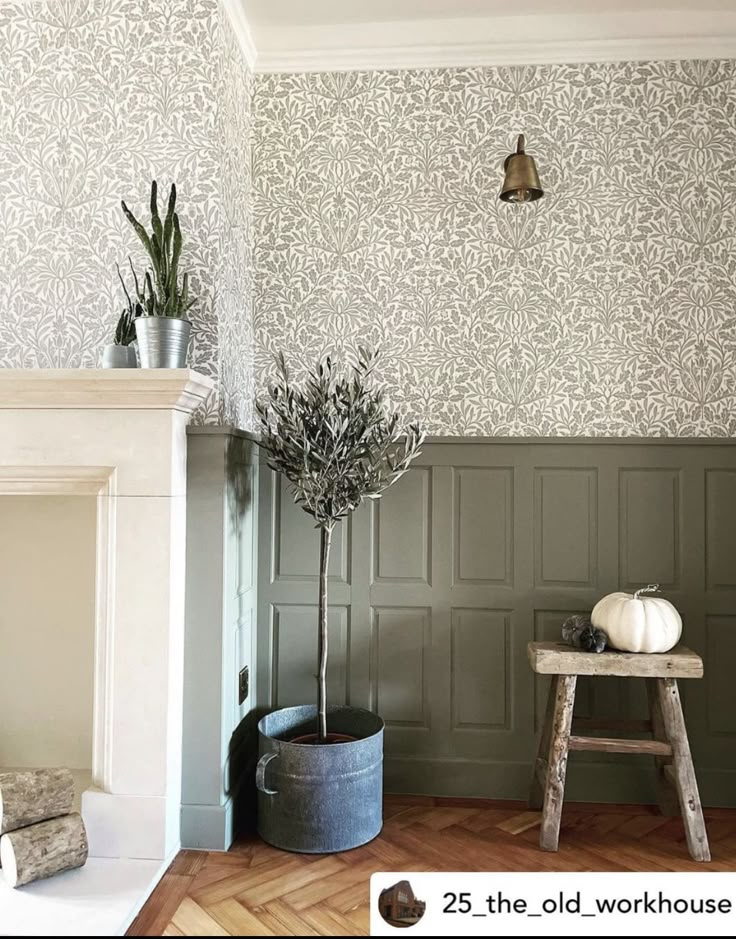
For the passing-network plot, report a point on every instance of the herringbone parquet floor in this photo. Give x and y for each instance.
(257, 890)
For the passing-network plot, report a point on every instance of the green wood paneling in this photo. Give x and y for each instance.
(484, 546)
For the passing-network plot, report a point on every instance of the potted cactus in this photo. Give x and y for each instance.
(121, 352)
(162, 330)
(319, 774)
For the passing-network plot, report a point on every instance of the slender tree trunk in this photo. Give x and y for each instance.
(325, 536)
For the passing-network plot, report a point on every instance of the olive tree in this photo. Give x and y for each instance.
(336, 442)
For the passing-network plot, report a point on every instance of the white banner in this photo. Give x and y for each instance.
(554, 904)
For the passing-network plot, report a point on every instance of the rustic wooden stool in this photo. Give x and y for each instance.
(669, 746)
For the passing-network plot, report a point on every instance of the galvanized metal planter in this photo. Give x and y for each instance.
(114, 356)
(162, 341)
(315, 798)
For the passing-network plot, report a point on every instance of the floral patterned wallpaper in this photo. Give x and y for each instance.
(96, 98)
(362, 207)
(608, 307)
(235, 250)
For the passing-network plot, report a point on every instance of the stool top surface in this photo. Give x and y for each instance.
(559, 658)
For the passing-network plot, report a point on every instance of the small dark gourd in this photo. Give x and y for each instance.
(578, 631)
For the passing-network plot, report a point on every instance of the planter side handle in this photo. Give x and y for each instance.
(261, 773)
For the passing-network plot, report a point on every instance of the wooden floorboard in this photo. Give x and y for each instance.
(257, 890)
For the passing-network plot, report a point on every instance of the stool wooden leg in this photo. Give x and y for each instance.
(666, 795)
(539, 771)
(668, 696)
(554, 794)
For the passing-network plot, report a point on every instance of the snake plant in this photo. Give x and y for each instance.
(162, 293)
(125, 330)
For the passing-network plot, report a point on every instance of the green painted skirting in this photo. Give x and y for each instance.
(585, 783)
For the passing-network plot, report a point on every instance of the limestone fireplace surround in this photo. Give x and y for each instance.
(120, 435)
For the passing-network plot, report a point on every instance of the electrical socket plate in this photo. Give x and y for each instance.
(243, 682)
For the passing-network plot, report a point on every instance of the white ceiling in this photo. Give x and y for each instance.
(295, 35)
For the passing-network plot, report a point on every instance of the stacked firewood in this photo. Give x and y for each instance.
(39, 834)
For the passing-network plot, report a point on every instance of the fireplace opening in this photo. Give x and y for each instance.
(47, 632)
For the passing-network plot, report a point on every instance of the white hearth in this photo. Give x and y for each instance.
(120, 436)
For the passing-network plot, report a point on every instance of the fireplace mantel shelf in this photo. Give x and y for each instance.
(179, 389)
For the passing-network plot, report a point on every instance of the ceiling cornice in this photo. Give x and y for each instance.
(241, 27)
(503, 40)
(494, 54)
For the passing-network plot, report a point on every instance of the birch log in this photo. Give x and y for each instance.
(28, 854)
(34, 795)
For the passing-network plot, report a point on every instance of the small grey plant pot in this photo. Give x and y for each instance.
(114, 356)
(320, 798)
(163, 341)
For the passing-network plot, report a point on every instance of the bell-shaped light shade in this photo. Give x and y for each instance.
(521, 183)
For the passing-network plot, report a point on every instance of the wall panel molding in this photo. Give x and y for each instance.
(402, 530)
(720, 529)
(298, 559)
(650, 527)
(482, 524)
(480, 671)
(566, 526)
(294, 651)
(720, 636)
(400, 638)
(518, 535)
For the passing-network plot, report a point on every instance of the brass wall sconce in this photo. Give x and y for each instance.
(521, 183)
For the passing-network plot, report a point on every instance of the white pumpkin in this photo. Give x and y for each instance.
(638, 623)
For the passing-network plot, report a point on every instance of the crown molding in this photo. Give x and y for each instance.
(635, 36)
(235, 12)
(474, 54)
(641, 34)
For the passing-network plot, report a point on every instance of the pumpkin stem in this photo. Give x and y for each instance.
(650, 588)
